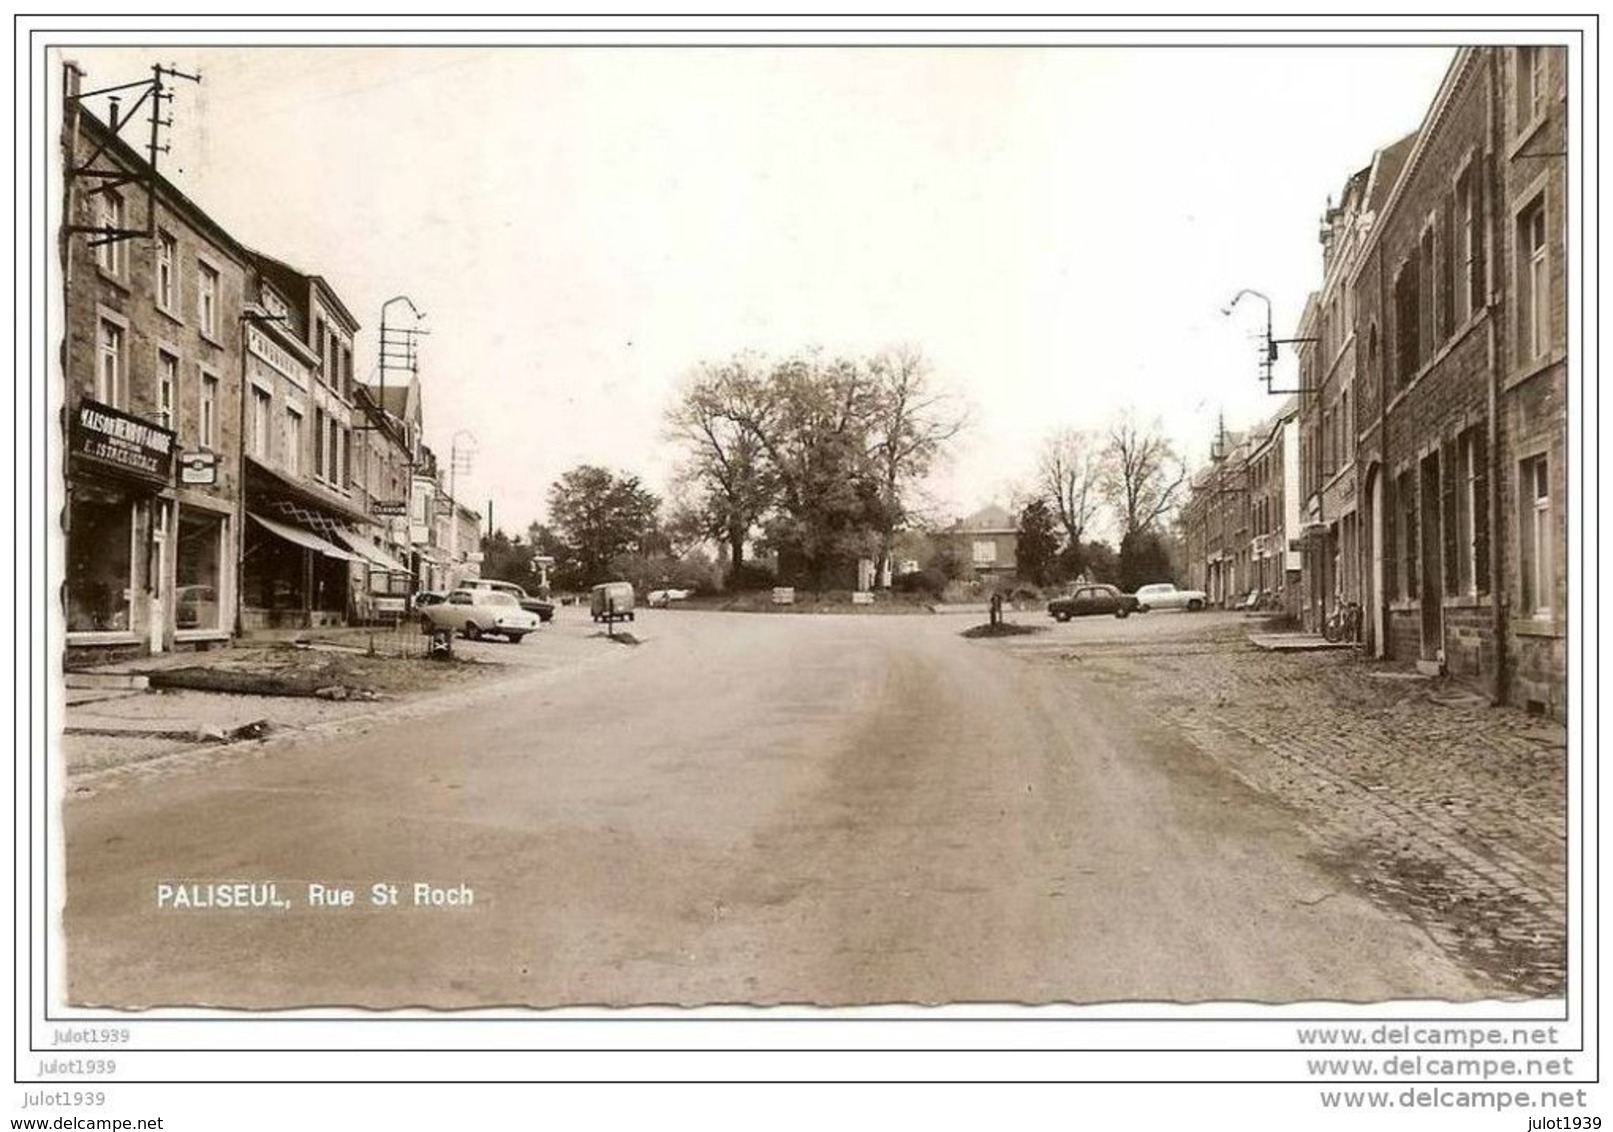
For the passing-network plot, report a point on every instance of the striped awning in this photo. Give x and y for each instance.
(303, 538)
(368, 550)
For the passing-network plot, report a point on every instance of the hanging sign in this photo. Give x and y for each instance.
(198, 467)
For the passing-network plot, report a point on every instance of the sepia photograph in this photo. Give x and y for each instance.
(553, 527)
(844, 549)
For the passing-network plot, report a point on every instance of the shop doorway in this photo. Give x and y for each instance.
(157, 580)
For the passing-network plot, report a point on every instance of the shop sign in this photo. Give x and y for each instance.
(114, 438)
(198, 467)
(389, 507)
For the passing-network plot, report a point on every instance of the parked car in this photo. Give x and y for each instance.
(612, 597)
(660, 599)
(429, 597)
(1092, 598)
(480, 611)
(1164, 595)
(543, 607)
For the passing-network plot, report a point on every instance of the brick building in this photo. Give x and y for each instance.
(1330, 529)
(1462, 415)
(151, 361)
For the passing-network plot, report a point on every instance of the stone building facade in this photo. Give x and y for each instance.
(150, 353)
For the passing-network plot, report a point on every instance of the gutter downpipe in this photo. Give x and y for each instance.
(1498, 691)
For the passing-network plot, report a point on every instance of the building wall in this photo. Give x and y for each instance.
(185, 539)
(1467, 337)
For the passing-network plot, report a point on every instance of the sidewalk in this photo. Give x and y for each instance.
(340, 681)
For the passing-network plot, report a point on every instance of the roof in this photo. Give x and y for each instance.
(280, 267)
(1386, 166)
(393, 399)
(988, 518)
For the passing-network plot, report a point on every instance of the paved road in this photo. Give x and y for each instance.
(748, 808)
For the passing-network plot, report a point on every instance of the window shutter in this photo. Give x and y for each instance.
(1391, 505)
(1481, 511)
(1447, 459)
(1478, 283)
(1408, 501)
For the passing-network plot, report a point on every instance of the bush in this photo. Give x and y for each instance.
(750, 576)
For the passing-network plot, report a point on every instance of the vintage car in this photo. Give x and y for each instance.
(479, 612)
(1092, 598)
(1164, 595)
(529, 602)
(661, 599)
(612, 601)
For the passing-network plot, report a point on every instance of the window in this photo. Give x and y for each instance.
(347, 371)
(1472, 513)
(985, 552)
(1531, 78)
(208, 416)
(319, 443)
(109, 365)
(1535, 284)
(109, 251)
(1534, 543)
(1446, 306)
(347, 458)
(293, 441)
(167, 382)
(319, 343)
(260, 423)
(167, 258)
(333, 461)
(207, 299)
(1406, 492)
(1406, 315)
(99, 555)
(198, 580)
(1428, 273)
(1346, 429)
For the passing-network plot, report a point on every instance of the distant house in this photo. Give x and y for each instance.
(988, 541)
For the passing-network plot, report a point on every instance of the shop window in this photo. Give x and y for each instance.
(99, 588)
(198, 581)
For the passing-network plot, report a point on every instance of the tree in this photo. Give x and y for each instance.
(1038, 543)
(1144, 559)
(1140, 475)
(599, 515)
(910, 424)
(716, 419)
(1067, 475)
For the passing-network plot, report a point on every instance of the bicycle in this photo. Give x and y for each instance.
(1344, 624)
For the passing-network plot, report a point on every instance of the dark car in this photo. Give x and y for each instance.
(1092, 598)
(543, 607)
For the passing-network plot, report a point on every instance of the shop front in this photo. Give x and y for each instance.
(296, 570)
(114, 589)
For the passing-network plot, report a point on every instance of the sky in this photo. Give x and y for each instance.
(1056, 228)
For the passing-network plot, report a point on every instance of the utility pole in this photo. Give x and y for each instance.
(108, 175)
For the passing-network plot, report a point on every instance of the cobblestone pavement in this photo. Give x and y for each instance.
(1443, 809)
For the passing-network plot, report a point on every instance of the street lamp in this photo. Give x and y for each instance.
(1268, 350)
